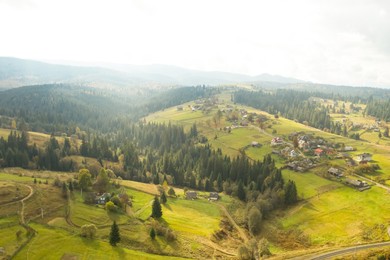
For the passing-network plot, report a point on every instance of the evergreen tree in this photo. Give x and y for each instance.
(171, 192)
(163, 197)
(152, 233)
(114, 234)
(386, 132)
(290, 193)
(64, 190)
(240, 191)
(156, 208)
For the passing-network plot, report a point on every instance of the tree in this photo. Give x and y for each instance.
(171, 192)
(254, 220)
(110, 206)
(295, 142)
(156, 208)
(290, 193)
(84, 179)
(263, 247)
(64, 190)
(114, 234)
(102, 181)
(152, 233)
(240, 191)
(386, 132)
(163, 197)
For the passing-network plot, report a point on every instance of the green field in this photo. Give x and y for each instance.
(58, 243)
(341, 216)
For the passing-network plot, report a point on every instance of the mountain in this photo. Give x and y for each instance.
(18, 72)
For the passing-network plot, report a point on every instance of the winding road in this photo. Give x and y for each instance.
(341, 252)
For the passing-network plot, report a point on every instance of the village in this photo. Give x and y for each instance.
(301, 151)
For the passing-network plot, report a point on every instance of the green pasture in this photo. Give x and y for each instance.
(59, 244)
(309, 184)
(198, 217)
(341, 216)
(8, 239)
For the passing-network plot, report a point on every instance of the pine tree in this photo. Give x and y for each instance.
(240, 191)
(163, 197)
(290, 193)
(386, 132)
(152, 233)
(114, 234)
(156, 208)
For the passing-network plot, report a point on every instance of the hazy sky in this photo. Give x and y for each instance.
(329, 41)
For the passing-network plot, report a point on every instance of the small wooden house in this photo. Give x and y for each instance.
(214, 196)
(191, 195)
(335, 172)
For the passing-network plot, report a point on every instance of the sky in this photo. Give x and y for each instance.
(325, 41)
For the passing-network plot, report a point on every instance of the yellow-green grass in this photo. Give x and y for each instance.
(12, 192)
(198, 217)
(9, 221)
(82, 214)
(140, 186)
(16, 178)
(340, 216)
(51, 243)
(309, 184)
(9, 240)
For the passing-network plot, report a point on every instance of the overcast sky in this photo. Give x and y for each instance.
(330, 41)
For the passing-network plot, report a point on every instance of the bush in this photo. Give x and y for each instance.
(170, 235)
(88, 231)
(110, 206)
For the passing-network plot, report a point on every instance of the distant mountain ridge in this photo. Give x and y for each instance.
(16, 72)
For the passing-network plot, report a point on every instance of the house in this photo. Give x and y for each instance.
(348, 148)
(363, 158)
(319, 152)
(191, 195)
(350, 163)
(303, 144)
(358, 184)
(276, 141)
(214, 196)
(293, 153)
(335, 172)
(102, 199)
(255, 144)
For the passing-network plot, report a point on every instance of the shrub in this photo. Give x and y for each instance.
(110, 206)
(170, 235)
(88, 231)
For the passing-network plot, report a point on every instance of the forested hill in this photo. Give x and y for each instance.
(58, 107)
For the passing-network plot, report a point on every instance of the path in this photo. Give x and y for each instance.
(343, 251)
(23, 199)
(22, 221)
(231, 220)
